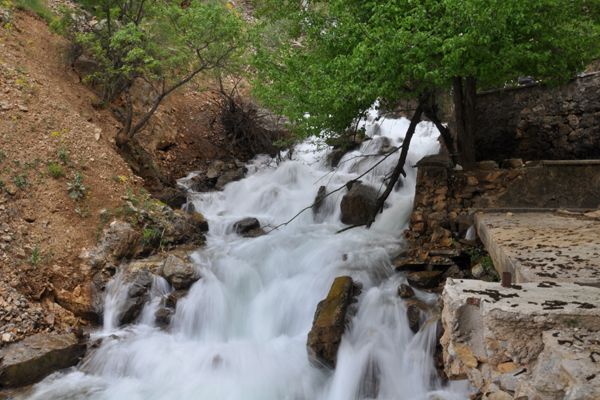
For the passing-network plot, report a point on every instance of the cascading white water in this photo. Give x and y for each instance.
(240, 334)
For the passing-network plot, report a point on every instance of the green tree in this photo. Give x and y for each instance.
(333, 59)
(165, 43)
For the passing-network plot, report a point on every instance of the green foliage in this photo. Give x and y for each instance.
(36, 6)
(151, 236)
(75, 188)
(162, 42)
(2, 156)
(36, 256)
(63, 155)
(331, 60)
(55, 170)
(20, 181)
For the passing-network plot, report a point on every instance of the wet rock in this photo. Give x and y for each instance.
(246, 225)
(425, 279)
(405, 291)
(38, 356)
(319, 200)
(180, 274)
(174, 297)
(335, 157)
(330, 322)
(178, 227)
(358, 205)
(228, 177)
(137, 295)
(163, 316)
(413, 314)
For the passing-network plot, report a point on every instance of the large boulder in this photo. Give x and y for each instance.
(358, 205)
(120, 240)
(228, 177)
(180, 274)
(37, 356)
(330, 322)
(248, 227)
(139, 283)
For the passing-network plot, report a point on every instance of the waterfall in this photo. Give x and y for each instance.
(240, 333)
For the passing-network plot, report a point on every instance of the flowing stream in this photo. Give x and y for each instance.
(240, 334)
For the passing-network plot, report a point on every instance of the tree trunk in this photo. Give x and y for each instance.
(464, 94)
(141, 162)
(399, 169)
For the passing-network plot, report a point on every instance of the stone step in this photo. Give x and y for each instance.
(543, 246)
(494, 336)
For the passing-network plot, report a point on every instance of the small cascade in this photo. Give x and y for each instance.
(240, 332)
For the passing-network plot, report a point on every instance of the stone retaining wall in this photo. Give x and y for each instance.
(445, 199)
(537, 123)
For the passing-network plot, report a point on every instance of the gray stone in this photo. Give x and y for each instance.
(37, 356)
(163, 317)
(358, 205)
(179, 273)
(413, 314)
(405, 291)
(246, 225)
(137, 295)
(228, 177)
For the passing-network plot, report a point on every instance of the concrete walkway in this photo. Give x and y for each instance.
(543, 246)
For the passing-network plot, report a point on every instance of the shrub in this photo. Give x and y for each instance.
(76, 188)
(36, 256)
(63, 155)
(56, 170)
(20, 181)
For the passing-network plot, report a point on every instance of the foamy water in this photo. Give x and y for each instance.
(240, 334)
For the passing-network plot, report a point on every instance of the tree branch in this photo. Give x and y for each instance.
(399, 170)
(321, 198)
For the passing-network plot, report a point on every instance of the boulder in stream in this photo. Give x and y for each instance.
(330, 322)
(248, 227)
(37, 356)
(180, 274)
(358, 205)
(137, 295)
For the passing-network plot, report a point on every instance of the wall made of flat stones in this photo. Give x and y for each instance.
(446, 199)
(540, 123)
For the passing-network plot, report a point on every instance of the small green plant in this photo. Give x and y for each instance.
(150, 235)
(2, 156)
(76, 188)
(36, 256)
(55, 170)
(63, 155)
(20, 181)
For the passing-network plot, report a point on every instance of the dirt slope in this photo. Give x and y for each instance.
(49, 132)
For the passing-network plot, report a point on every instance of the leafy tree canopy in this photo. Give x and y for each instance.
(332, 59)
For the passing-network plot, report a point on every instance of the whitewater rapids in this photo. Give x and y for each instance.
(240, 334)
